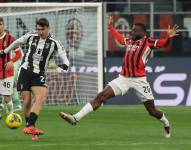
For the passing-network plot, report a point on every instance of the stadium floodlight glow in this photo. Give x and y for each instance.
(78, 26)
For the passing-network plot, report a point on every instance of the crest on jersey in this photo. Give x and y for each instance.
(47, 45)
(35, 42)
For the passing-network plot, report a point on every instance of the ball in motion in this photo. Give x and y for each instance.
(13, 121)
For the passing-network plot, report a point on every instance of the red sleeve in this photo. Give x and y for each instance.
(17, 56)
(117, 35)
(158, 42)
(163, 42)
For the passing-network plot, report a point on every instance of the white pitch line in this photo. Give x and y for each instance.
(105, 144)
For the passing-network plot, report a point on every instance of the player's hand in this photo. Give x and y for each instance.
(9, 66)
(2, 54)
(110, 20)
(173, 31)
(63, 66)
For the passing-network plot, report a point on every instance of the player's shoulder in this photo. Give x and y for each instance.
(32, 33)
(7, 33)
(151, 39)
(53, 38)
(11, 35)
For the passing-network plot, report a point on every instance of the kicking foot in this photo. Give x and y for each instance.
(167, 132)
(68, 118)
(35, 137)
(32, 130)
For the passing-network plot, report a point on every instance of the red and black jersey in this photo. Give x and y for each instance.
(5, 41)
(137, 53)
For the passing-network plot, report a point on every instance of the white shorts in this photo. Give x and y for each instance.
(6, 86)
(122, 84)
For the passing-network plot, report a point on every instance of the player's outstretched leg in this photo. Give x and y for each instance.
(68, 118)
(89, 107)
(149, 105)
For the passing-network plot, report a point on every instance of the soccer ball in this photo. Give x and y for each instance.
(13, 121)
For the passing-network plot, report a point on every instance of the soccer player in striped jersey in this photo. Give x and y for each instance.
(41, 46)
(133, 74)
(7, 66)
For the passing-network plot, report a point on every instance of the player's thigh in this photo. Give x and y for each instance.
(143, 89)
(24, 80)
(6, 86)
(120, 85)
(39, 87)
(39, 92)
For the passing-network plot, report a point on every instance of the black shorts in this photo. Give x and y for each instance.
(27, 79)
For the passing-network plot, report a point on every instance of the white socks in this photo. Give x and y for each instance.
(83, 112)
(165, 121)
(10, 107)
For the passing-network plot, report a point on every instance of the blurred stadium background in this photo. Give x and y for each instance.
(81, 31)
(88, 44)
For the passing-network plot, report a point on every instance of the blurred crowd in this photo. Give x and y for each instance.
(180, 46)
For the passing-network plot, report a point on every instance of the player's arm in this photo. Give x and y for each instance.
(158, 43)
(116, 34)
(61, 53)
(18, 55)
(22, 40)
(165, 41)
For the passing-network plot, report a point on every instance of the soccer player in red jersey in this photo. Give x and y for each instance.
(7, 66)
(133, 74)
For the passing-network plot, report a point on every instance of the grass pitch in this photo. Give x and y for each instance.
(109, 128)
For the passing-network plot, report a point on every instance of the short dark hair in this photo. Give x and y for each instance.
(42, 22)
(143, 27)
(1, 19)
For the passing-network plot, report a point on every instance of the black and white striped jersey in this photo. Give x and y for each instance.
(39, 51)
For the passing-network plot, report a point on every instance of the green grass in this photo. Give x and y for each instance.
(109, 128)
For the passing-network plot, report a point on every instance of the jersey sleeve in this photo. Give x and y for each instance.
(22, 40)
(158, 43)
(117, 35)
(61, 53)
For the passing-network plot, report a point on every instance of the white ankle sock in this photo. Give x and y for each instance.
(10, 106)
(83, 112)
(165, 121)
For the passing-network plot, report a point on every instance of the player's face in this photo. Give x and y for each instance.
(136, 30)
(1, 27)
(43, 31)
